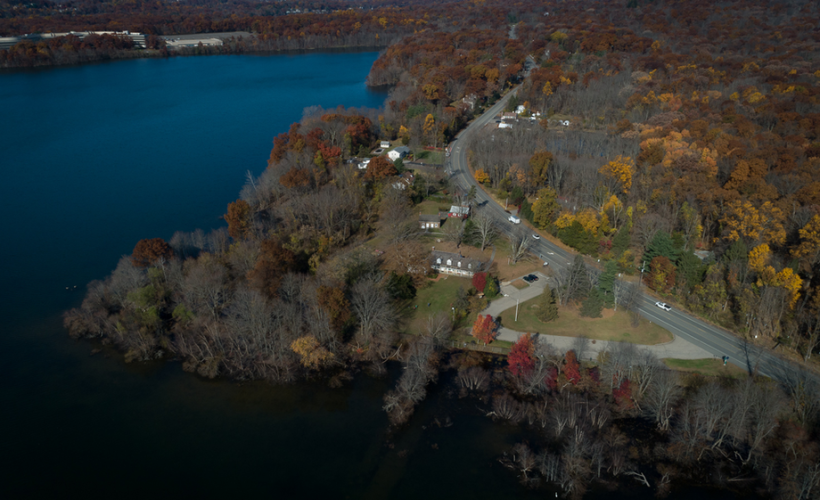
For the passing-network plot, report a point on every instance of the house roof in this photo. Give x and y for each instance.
(455, 209)
(429, 218)
(466, 262)
(402, 149)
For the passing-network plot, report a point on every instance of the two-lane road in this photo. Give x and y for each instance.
(715, 340)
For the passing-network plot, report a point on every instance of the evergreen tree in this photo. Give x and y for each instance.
(491, 288)
(606, 283)
(578, 279)
(526, 210)
(517, 195)
(691, 270)
(471, 194)
(621, 242)
(661, 246)
(462, 303)
(400, 286)
(547, 308)
(737, 253)
(591, 308)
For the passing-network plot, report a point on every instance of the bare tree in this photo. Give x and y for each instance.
(803, 390)
(519, 244)
(373, 309)
(453, 230)
(661, 397)
(204, 288)
(484, 230)
(474, 379)
(438, 326)
(647, 226)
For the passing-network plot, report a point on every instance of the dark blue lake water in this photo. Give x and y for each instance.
(95, 158)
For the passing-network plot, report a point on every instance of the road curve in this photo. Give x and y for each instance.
(715, 340)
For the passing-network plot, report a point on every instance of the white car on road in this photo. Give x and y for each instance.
(514, 219)
(536, 236)
(664, 306)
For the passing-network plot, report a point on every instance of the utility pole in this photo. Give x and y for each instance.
(516, 310)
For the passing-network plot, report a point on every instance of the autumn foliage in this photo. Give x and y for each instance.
(380, 168)
(484, 328)
(148, 251)
(521, 359)
(238, 219)
(479, 281)
(572, 368)
(313, 354)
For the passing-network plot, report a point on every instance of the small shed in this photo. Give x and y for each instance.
(385, 144)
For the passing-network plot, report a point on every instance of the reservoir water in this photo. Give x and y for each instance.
(95, 158)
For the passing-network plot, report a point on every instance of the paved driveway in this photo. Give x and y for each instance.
(677, 348)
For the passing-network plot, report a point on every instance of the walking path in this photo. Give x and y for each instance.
(677, 348)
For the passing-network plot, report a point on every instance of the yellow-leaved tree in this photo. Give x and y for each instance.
(545, 207)
(314, 355)
(809, 247)
(792, 282)
(621, 170)
(764, 225)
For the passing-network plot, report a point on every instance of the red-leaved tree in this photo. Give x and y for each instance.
(551, 379)
(522, 356)
(572, 369)
(479, 281)
(484, 328)
(623, 395)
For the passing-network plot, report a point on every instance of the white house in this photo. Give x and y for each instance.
(505, 125)
(520, 109)
(399, 152)
(454, 263)
(364, 163)
(385, 144)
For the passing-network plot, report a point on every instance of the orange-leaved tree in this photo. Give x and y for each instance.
(148, 251)
(484, 328)
(572, 369)
(380, 168)
(238, 219)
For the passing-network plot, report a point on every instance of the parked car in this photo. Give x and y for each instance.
(530, 278)
(536, 236)
(664, 306)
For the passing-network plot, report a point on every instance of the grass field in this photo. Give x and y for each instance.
(425, 156)
(429, 207)
(708, 367)
(440, 295)
(613, 326)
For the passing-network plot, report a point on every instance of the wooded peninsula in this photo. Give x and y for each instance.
(672, 148)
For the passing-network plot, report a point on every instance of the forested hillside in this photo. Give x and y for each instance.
(677, 142)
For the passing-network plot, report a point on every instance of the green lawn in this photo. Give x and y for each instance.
(440, 295)
(425, 156)
(429, 207)
(615, 327)
(709, 367)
